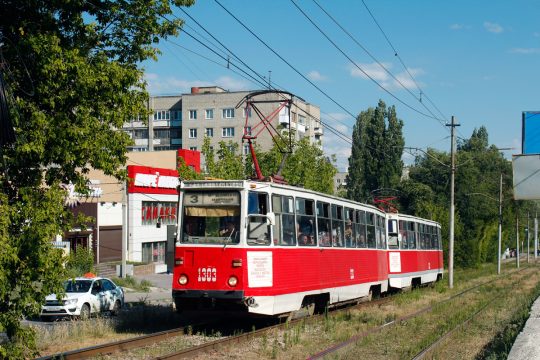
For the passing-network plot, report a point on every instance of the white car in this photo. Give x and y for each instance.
(84, 296)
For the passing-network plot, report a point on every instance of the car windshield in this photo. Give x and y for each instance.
(77, 286)
(211, 217)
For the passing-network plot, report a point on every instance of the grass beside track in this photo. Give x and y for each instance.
(488, 335)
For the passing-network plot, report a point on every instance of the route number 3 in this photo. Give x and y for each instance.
(208, 274)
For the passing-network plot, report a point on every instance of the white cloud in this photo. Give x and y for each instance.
(536, 34)
(378, 73)
(335, 116)
(316, 76)
(334, 145)
(460, 27)
(493, 27)
(525, 51)
(172, 85)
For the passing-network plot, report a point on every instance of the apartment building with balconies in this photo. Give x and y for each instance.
(183, 121)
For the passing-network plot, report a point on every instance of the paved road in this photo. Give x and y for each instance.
(159, 292)
(526, 346)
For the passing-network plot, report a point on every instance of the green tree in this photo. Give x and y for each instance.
(377, 147)
(73, 76)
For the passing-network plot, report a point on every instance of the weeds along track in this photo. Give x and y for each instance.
(498, 289)
(482, 307)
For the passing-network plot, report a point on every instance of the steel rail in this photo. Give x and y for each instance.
(431, 348)
(376, 329)
(243, 338)
(121, 345)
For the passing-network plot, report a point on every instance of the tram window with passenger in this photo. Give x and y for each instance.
(337, 226)
(350, 238)
(361, 239)
(285, 227)
(305, 222)
(211, 217)
(323, 223)
(370, 224)
(257, 222)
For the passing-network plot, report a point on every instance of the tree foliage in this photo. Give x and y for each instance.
(73, 76)
(377, 147)
(479, 167)
(307, 166)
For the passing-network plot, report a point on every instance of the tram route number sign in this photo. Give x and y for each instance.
(260, 271)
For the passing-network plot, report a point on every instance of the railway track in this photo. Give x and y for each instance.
(432, 347)
(151, 339)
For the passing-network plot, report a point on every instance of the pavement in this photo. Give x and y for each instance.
(526, 346)
(160, 291)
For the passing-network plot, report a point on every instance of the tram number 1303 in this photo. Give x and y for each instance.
(207, 274)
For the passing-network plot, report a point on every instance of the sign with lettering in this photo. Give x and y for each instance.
(212, 198)
(260, 272)
(156, 180)
(394, 261)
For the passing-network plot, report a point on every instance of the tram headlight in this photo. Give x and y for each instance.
(233, 281)
(183, 280)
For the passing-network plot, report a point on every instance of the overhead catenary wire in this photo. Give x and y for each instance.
(358, 67)
(382, 65)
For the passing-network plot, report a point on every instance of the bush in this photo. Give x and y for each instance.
(80, 262)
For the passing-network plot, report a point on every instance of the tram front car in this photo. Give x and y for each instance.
(218, 220)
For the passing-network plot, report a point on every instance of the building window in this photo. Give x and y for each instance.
(161, 134)
(244, 112)
(301, 119)
(192, 114)
(228, 113)
(176, 133)
(176, 114)
(154, 252)
(192, 133)
(140, 134)
(193, 148)
(246, 149)
(227, 132)
(209, 114)
(209, 132)
(162, 115)
(247, 130)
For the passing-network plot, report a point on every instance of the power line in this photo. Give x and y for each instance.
(378, 62)
(358, 67)
(285, 61)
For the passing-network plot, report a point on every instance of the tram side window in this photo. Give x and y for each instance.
(370, 220)
(440, 238)
(393, 234)
(285, 228)
(403, 232)
(380, 233)
(361, 239)
(350, 229)
(411, 234)
(258, 229)
(337, 226)
(305, 222)
(323, 223)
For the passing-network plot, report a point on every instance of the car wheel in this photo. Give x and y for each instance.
(85, 312)
(116, 308)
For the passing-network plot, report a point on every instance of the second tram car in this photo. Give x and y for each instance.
(273, 249)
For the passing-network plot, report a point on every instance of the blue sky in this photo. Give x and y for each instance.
(477, 60)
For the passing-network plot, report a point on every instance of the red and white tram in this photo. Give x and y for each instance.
(272, 249)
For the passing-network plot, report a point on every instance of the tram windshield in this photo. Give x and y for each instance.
(211, 217)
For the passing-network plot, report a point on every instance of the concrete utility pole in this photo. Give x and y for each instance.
(528, 237)
(517, 241)
(452, 206)
(124, 230)
(535, 236)
(500, 226)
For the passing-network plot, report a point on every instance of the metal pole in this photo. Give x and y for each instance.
(500, 227)
(124, 230)
(517, 241)
(535, 236)
(528, 237)
(451, 225)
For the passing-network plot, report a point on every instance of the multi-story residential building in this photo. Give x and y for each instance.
(182, 122)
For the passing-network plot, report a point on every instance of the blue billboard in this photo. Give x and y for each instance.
(530, 139)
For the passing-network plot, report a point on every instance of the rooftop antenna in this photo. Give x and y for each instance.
(269, 78)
